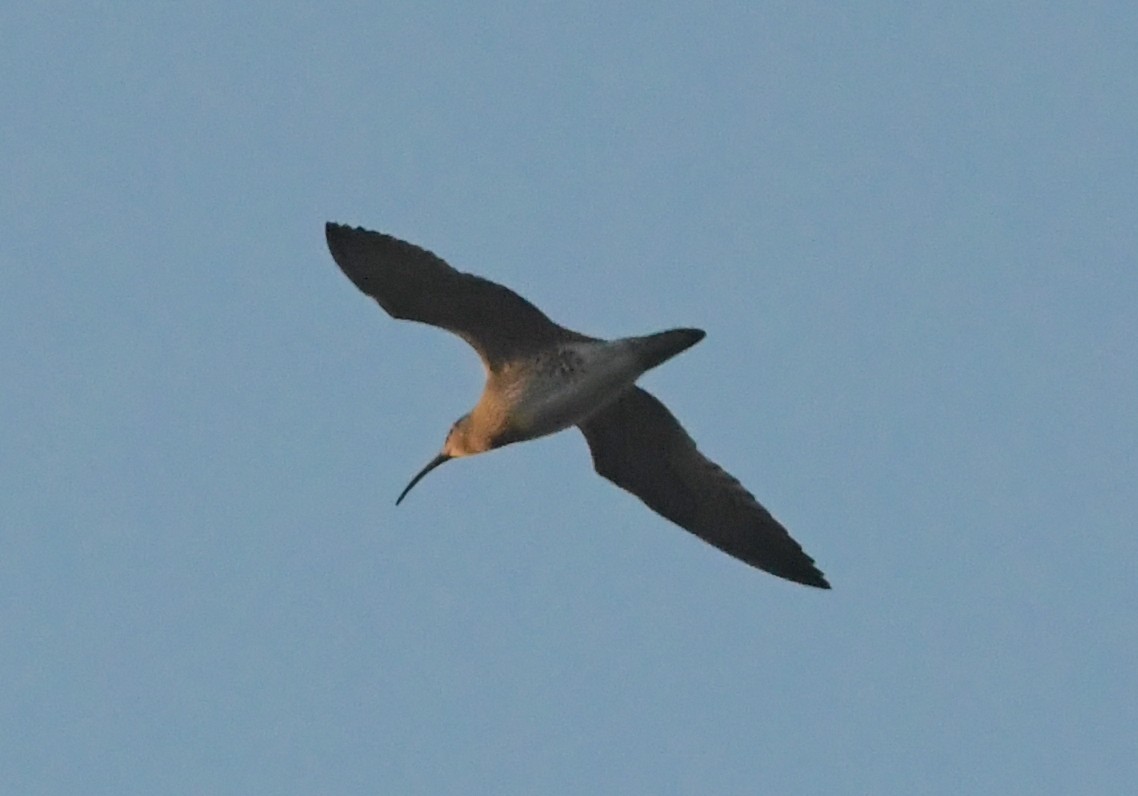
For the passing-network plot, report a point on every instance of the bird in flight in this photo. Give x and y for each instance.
(542, 378)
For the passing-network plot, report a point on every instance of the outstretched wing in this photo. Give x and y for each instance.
(413, 284)
(640, 446)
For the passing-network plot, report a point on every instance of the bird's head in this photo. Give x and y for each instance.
(459, 442)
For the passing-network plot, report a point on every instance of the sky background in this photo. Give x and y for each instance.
(909, 229)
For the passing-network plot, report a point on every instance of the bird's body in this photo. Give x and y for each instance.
(542, 378)
(564, 385)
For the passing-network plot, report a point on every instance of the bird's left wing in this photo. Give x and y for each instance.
(640, 446)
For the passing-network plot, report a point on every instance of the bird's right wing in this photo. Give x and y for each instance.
(640, 446)
(415, 285)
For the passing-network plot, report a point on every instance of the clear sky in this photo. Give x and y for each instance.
(909, 229)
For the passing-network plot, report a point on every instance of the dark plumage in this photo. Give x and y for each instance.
(635, 441)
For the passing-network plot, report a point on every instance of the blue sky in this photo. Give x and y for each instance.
(909, 230)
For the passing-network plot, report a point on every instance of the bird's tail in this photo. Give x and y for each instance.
(655, 349)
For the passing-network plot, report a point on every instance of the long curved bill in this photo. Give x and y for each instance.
(432, 464)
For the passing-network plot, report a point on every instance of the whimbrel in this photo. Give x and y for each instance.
(542, 378)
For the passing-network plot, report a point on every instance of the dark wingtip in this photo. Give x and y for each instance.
(808, 576)
(803, 572)
(336, 233)
(350, 250)
(334, 237)
(819, 582)
(689, 336)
